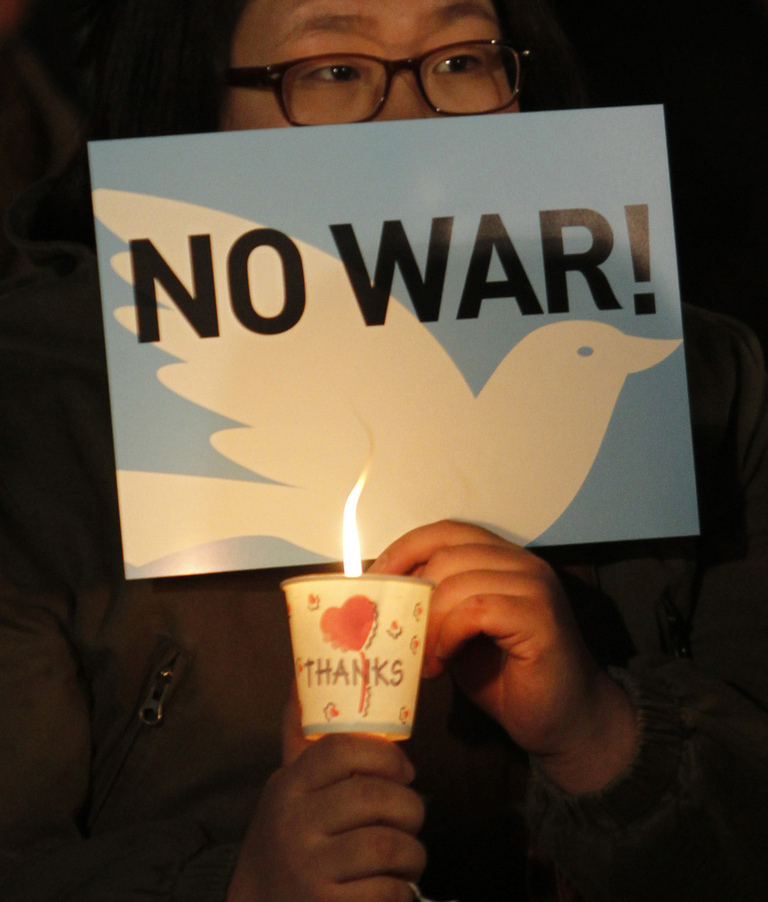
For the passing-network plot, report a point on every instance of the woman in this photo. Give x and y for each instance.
(144, 717)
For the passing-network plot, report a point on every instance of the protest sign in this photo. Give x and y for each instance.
(483, 309)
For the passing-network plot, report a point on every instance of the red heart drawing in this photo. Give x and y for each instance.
(349, 626)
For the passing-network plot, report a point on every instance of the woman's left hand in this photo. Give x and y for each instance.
(500, 619)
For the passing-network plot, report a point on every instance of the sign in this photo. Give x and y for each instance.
(483, 309)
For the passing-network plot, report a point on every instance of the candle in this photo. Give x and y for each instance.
(358, 642)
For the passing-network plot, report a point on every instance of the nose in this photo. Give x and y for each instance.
(405, 100)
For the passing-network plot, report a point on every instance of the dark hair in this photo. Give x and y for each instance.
(552, 79)
(156, 67)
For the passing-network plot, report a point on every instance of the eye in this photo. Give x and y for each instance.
(458, 65)
(334, 73)
(585, 351)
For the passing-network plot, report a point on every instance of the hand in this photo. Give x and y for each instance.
(500, 619)
(336, 823)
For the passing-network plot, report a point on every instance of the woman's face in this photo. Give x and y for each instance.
(272, 31)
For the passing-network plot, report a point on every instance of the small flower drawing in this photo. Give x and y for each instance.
(395, 630)
(405, 715)
(415, 644)
(418, 611)
(331, 711)
(314, 602)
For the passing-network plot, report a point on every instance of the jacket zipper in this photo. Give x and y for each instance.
(152, 711)
(150, 714)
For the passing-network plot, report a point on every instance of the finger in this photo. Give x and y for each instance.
(339, 756)
(417, 546)
(452, 560)
(498, 617)
(375, 851)
(507, 606)
(363, 801)
(462, 571)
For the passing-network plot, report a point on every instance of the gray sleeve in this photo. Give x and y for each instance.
(687, 819)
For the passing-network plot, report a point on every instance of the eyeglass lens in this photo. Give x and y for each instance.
(470, 78)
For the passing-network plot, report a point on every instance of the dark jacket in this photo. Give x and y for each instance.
(141, 719)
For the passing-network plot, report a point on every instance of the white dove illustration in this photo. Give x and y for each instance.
(314, 408)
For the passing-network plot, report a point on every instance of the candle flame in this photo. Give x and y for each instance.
(353, 565)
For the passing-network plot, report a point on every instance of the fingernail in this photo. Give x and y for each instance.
(427, 669)
(432, 667)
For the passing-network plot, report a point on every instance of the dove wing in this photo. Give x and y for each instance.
(310, 406)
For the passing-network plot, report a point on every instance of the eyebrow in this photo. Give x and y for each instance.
(351, 23)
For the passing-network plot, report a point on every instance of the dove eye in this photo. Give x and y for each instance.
(586, 351)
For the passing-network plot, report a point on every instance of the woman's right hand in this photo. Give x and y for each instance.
(336, 824)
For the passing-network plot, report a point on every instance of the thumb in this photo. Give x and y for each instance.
(294, 742)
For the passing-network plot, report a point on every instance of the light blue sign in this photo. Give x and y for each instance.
(482, 313)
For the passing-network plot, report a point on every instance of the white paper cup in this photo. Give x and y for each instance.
(358, 646)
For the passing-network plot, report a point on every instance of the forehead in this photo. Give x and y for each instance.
(384, 8)
(277, 22)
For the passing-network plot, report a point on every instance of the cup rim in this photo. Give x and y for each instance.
(366, 577)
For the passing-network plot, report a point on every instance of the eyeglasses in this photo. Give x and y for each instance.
(455, 80)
